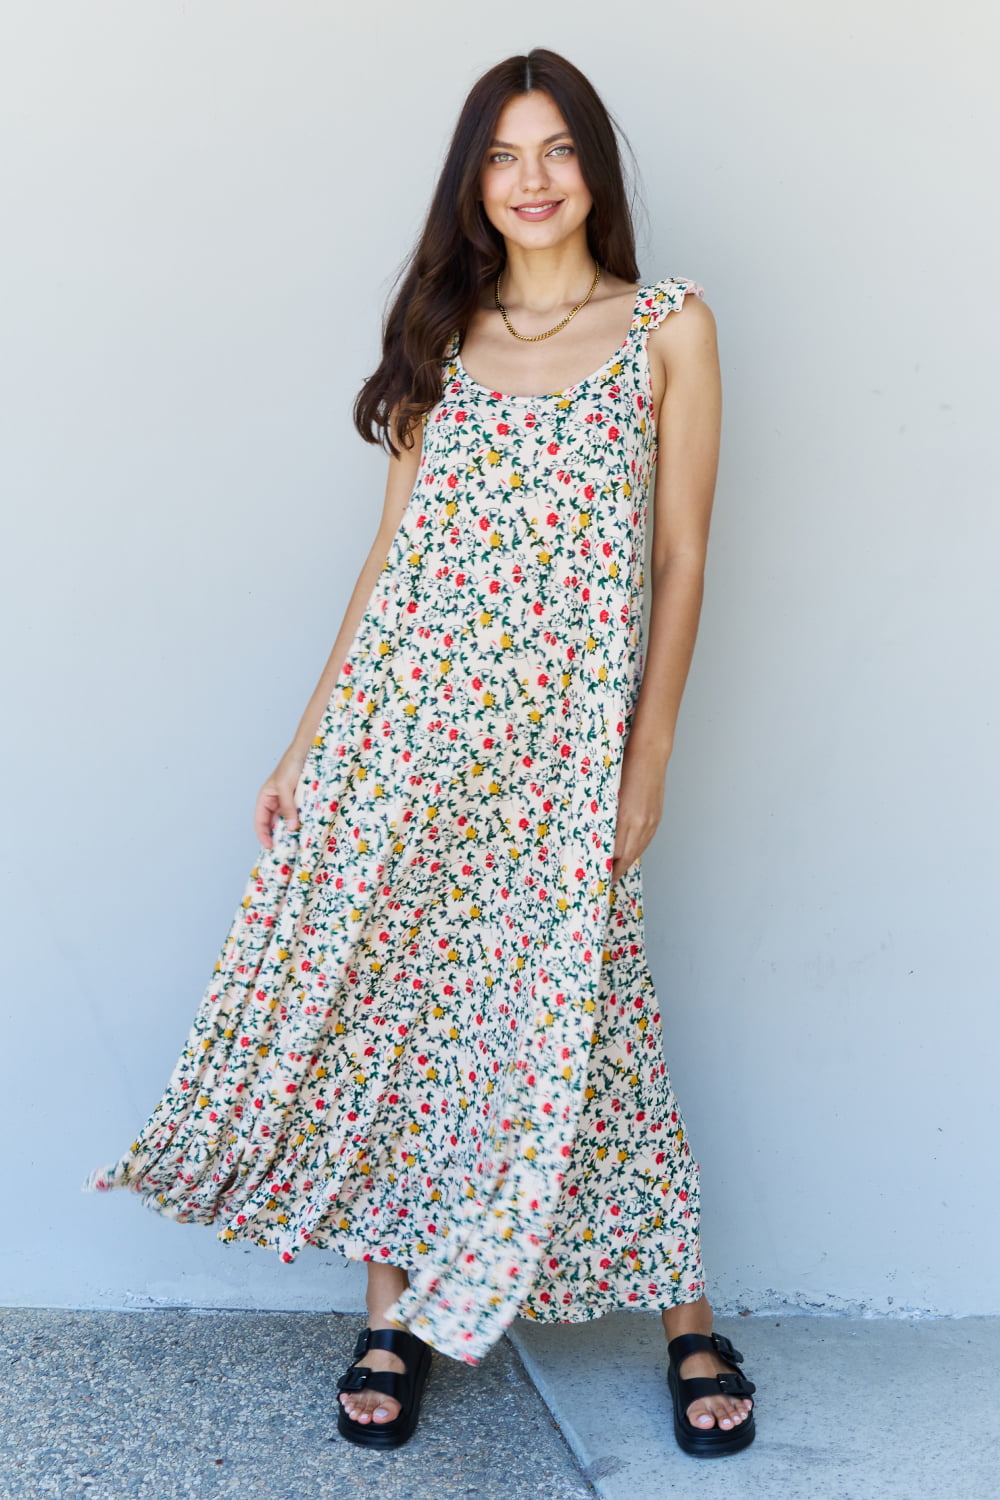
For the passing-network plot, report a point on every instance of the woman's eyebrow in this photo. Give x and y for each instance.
(547, 141)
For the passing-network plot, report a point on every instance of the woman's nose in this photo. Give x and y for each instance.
(534, 175)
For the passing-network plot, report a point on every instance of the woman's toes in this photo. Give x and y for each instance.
(718, 1413)
(367, 1411)
(725, 1415)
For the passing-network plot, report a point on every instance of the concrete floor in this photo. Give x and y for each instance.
(190, 1405)
(846, 1408)
(181, 1405)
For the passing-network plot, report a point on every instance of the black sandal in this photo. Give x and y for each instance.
(708, 1442)
(407, 1389)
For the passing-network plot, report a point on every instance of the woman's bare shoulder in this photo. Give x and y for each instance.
(686, 328)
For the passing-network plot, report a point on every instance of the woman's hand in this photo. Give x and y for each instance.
(276, 797)
(640, 807)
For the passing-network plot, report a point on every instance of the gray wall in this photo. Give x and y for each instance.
(203, 209)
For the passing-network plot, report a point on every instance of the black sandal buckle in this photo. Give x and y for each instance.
(726, 1348)
(355, 1379)
(735, 1383)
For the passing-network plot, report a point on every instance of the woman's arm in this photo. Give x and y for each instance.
(277, 796)
(684, 364)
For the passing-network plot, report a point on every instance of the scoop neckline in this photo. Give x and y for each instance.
(568, 389)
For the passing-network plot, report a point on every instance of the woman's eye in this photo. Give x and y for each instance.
(497, 157)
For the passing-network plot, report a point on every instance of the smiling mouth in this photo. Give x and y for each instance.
(536, 208)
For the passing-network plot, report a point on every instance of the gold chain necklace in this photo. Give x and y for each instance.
(533, 338)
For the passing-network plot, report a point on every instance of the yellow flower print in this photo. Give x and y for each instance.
(416, 982)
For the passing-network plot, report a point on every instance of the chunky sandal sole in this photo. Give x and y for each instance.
(402, 1427)
(699, 1441)
(709, 1442)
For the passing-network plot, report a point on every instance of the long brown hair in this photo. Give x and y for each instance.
(460, 251)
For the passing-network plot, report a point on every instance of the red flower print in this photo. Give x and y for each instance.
(439, 953)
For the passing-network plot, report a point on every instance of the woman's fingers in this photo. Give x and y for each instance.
(620, 863)
(630, 842)
(286, 801)
(263, 817)
(276, 799)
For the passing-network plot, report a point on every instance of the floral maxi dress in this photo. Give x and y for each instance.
(431, 1037)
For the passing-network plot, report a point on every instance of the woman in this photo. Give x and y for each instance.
(432, 1040)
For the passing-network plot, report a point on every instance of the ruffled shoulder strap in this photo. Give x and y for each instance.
(655, 301)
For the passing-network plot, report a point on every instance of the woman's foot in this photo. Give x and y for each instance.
(385, 1284)
(708, 1411)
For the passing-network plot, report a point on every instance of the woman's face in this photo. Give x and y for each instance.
(532, 188)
